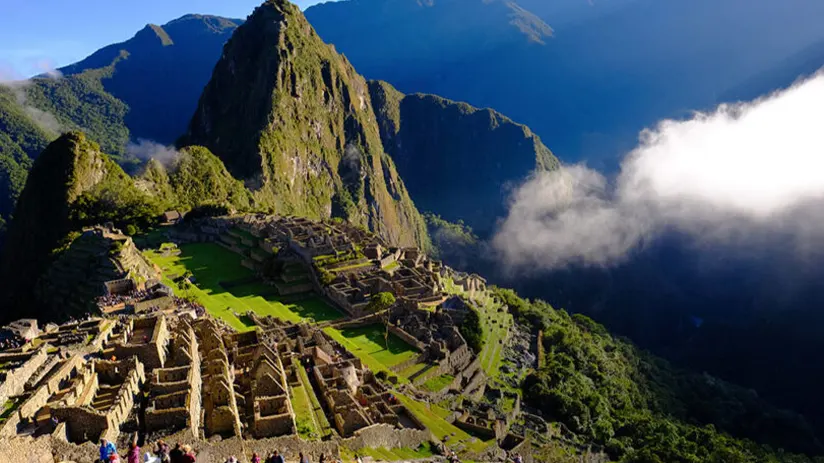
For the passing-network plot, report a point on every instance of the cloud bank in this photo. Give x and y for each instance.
(44, 119)
(742, 175)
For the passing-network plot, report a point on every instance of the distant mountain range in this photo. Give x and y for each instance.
(586, 76)
(144, 88)
(148, 88)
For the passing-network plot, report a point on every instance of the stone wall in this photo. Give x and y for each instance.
(407, 338)
(16, 379)
(276, 425)
(152, 352)
(196, 382)
(41, 396)
(422, 358)
(386, 436)
(41, 372)
(170, 418)
(82, 423)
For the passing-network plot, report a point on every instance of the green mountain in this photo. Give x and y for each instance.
(20, 139)
(194, 178)
(293, 119)
(435, 141)
(160, 72)
(71, 184)
(605, 390)
(144, 88)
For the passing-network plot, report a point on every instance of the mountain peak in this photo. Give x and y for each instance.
(293, 119)
(154, 32)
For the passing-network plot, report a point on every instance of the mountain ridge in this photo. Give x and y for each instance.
(255, 111)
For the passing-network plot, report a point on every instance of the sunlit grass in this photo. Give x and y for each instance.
(224, 287)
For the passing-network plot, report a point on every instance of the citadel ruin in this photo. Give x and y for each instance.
(153, 363)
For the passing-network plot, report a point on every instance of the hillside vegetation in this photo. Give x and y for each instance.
(641, 409)
(20, 140)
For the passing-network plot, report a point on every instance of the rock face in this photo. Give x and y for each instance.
(293, 119)
(71, 167)
(458, 161)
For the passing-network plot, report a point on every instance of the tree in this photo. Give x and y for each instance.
(472, 331)
(381, 301)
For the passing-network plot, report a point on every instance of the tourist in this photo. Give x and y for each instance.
(189, 455)
(277, 458)
(114, 458)
(255, 457)
(133, 456)
(162, 451)
(106, 449)
(302, 459)
(322, 458)
(176, 455)
(518, 458)
(231, 459)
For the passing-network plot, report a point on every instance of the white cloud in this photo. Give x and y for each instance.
(148, 149)
(739, 176)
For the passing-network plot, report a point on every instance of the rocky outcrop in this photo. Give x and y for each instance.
(293, 119)
(70, 177)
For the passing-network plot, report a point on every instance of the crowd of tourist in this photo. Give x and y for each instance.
(11, 341)
(184, 304)
(161, 453)
(114, 299)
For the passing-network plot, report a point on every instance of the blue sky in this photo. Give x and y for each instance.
(38, 35)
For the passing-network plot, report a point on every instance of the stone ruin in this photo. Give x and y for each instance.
(355, 398)
(169, 376)
(441, 343)
(175, 391)
(97, 400)
(144, 337)
(415, 279)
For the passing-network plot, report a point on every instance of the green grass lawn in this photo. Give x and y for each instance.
(212, 264)
(369, 345)
(434, 420)
(437, 383)
(383, 454)
(313, 407)
(495, 326)
(303, 411)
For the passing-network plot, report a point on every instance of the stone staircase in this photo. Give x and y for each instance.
(105, 397)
